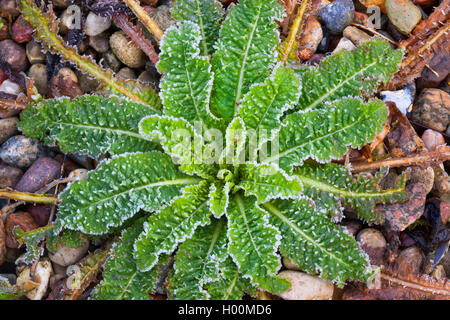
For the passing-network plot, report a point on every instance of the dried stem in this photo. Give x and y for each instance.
(424, 158)
(375, 32)
(143, 16)
(28, 197)
(294, 31)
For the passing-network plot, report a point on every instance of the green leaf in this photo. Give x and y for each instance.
(357, 73)
(175, 223)
(187, 81)
(119, 188)
(9, 291)
(207, 14)
(231, 285)
(175, 136)
(68, 237)
(235, 138)
(246, 51)
(324, 135)
(32, 239)
(89, 124)
(265, 103)
(253, 244)
(121, 278)
(332, 184)
(316, 244)
(197, 262)
(268, 182)
(219, 197)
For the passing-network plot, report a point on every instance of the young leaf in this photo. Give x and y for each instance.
(33, 240)
(197, 262)
(219, 197)
(235, 138)
(345, 74)
(245, 52)
(207, 14)
(118, 189)
(267, 182)
(100, 125)
(172, 225)
(332, 184)
(316, 244)
(121, 278)
(263, 106)
(253, 244)
(187, 81)
(324, 135)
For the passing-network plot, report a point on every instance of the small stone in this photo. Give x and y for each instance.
(290, 265)
(147, 77)
(403, 98)
(87, 83)
(432, 109)
(4, 33)
(21, 30)
(312, 36)
(8, 128)
(39, 282)
(67, 21)
(356, 36)
(361, 18)
(79, 174)
(373, 243)
(162, 17)
(9, 7)
(403, 14)
(442, 186)
(13, 55)
(40, 213)
(424, 176)
(437, 73)
(22, 220)
(39, 74)
(9, 176)
(66, 255)
(344, 44)
(126, 51)
(338, 15)
(352, 226)
(100, 42)
(35, 53)
(20, 151)
(374, 3)
(95, 25)
(410, 261)
(42, 171)
(425, 3)
(126, 74)
(65, 84)
(109, 60)
(10, 87)
(306, 287)
(61, 4)
(317, 6)
(432, 139)
(2, 241)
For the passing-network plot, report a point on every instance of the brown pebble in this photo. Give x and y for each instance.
(2, 242)
(40, 213)
(22, 31)
(8, 128)
(4, 33)
(410, 261)
(432, 109)
(432, 139)
(41, 172)
(22, 220)
(9, 176)
(373, 243)
(311, 38)
(14, 55)
(356, 36)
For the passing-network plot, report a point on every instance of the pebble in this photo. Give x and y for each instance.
(432, 109)
(38, 72)
(100, 42)
(424, 176)
(10, 87)
(352, 226)
(42, 171)
(109, 60)
(66, 255)
(95, 25)
(13, 55)
(4, 33)
(79, 174)
(126, 74)
(9, 176)
(440, 63)
(403, 98)
(65, 83)
(373, 243)
(87, 83)
(147, 77)
(432, 139)
(374, 3)
(312, 36)
(355, 35)
(21, 30)
(162, 17)
(8, 128)
(290, 265)
(2, 241)
(126, 51)
(9, 7)
(35, 54)
(338, 15)
(403, 14)
(410, 261)
(19, 219)
(42, 274)
(306, 287)
(20, 151)
(317, 5)
(361, 18)
(40, 213)
(61, 3)
(344, 44)
(66, 21)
